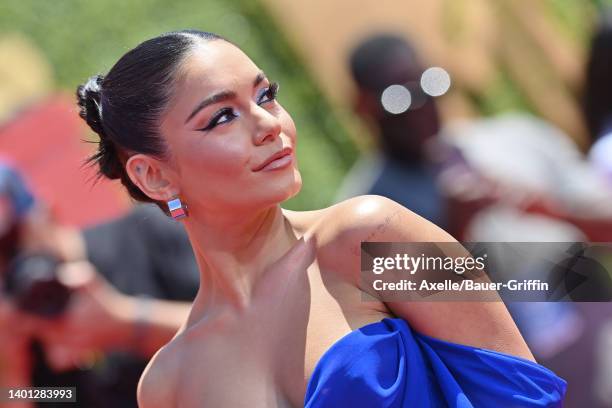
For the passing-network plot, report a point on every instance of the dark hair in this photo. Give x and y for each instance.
(598, 81)
(124, 106)
(373, 62)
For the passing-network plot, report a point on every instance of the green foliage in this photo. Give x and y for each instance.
(574, 18)
(502, 96)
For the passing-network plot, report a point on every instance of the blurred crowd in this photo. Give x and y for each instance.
(88, 306)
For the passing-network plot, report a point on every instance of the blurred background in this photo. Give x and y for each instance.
(490, 118)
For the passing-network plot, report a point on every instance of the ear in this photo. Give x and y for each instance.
(152, 176)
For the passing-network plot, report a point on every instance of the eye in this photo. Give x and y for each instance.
(225, 115)
(268, 94)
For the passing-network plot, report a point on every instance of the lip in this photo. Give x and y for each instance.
(278, 160)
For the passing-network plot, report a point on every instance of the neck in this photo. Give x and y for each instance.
(232, 252)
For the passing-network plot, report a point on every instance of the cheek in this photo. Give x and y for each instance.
(220, 156)
(209, 167)
(287, 125)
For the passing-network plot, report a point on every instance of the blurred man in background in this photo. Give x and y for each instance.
(400, 168)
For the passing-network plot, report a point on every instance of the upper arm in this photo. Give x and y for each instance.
(377, 219)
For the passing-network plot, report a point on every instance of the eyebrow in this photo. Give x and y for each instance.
(222, 96)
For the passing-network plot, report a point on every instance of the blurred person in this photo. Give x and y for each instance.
(597, 105)
(114, 319)
(400, 167)
(521, 160)
(187, 121)
(598, 97)
(529, 162)
(115, 329)
(15, 332)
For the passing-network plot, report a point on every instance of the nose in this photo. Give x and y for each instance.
(267, 126)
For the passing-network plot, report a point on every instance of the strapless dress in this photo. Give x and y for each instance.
(387, 364)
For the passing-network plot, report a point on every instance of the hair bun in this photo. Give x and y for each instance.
(90, 108)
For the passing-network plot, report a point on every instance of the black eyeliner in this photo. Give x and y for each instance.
(215, 119)
(271, 93)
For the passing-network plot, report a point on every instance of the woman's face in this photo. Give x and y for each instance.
(231, 145)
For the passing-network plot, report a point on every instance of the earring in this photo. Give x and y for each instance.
(177, 209)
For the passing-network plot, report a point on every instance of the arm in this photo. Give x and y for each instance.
(101, 318)
(479, 324)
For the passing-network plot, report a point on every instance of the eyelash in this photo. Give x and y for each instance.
(271, 92)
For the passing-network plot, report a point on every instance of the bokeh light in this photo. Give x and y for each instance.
(435, 81)
(396, 99)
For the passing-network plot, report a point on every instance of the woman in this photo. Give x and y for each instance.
(188, 121)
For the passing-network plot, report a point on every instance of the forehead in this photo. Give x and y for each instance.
(215, 65)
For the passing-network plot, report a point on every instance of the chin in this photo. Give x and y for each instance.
(277, 190)
(289, 187)
(293, 186)
(297, 182)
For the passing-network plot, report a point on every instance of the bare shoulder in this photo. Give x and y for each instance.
(377, 218)
(157, 386)
(365, 218)
(342, 227)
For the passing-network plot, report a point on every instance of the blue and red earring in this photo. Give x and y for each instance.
(177, 209)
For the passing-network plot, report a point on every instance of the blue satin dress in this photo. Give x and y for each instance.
(387, 364)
